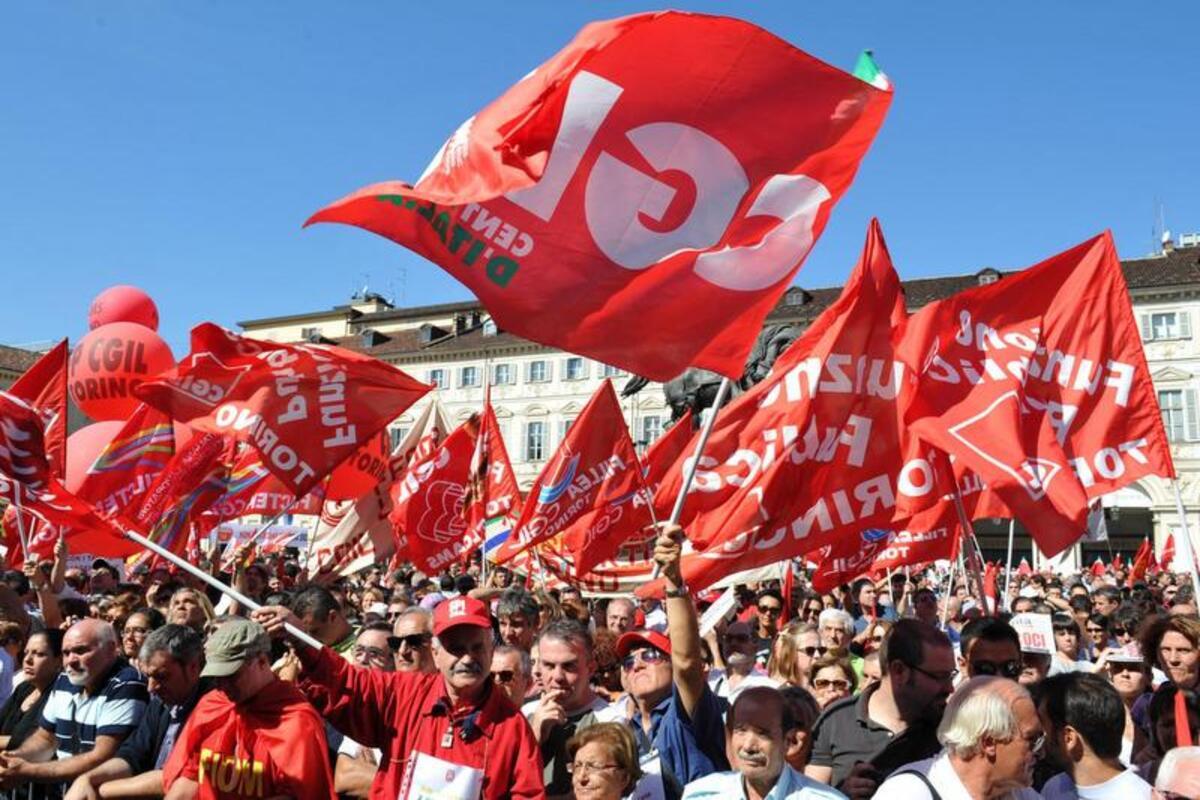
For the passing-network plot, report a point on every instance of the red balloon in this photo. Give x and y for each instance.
(123, 304)
(109, 362)
(83, 446)
(358, 474)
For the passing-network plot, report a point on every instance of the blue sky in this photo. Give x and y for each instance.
(179, 146)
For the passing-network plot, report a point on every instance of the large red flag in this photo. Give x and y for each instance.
(816, 451)
(306, 408)
(126, 467)
(493, 495)
(194, 479)
(44, 386)
(660, 179)
(1168, 554)
(586, 485)
(1038, 383)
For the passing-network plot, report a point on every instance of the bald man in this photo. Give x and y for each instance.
(619, 616)
(97, 701)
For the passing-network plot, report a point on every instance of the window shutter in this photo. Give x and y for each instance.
(1192, 430)
(1185, 324)
(1147, 333)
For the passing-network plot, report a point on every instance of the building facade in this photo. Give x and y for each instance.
(538, 391)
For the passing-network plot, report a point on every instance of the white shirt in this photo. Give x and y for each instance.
(1127, 785)
(945, 780)
(790, 786)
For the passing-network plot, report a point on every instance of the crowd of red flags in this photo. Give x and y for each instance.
(610, 205)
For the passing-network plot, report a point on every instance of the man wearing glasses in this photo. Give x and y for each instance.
(512, 669)
(991, 737)
(859, 740)
(675, 718)
(355, 768)
(453, 731)
(412, 637)
(990, 646)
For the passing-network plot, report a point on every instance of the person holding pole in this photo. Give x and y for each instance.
(453, 732)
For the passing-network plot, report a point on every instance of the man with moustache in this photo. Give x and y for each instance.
(758, 732)
(452, 732)
(95, 704)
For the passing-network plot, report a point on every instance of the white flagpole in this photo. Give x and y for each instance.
(1187, 536)
(1012, 524)
(20, 523)
(195, 571)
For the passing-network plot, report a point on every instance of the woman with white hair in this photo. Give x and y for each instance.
(990, 736)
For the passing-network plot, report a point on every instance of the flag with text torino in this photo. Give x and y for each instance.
(816, 450)
(660, 179)
(586, 490)
(306, 408)
(1038, 383)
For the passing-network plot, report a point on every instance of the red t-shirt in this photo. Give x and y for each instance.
(273, 744)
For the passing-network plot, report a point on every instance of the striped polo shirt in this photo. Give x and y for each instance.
(76, 719)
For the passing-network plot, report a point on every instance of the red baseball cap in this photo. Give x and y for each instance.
(632, 639)
(460, 611)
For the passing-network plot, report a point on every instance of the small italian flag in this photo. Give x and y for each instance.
(867, 70)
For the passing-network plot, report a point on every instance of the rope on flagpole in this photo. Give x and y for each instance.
(196, 572)
(690, 472)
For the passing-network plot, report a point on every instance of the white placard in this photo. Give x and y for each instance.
(717, 611)
(1036, 632)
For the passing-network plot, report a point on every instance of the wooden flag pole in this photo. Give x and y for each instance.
(690, 472)
(196, 572)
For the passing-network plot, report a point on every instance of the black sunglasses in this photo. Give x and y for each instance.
(504, 675)
(813, 651)
(1007, 669)
(415, 641)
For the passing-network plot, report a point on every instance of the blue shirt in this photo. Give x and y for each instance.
(689, 747)
(77, 719)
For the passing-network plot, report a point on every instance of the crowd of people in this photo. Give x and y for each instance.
(465, 685)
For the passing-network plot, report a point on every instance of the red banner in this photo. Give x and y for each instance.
(493, 494)
(1038, 383)
(586, 487)
(306, 408)
(118, 478)
(44, 386)
(661, 179)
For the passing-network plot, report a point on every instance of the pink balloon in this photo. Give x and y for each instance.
(84, 445)
(123, 304)
(109, 363)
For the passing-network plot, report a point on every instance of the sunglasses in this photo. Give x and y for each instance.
(1095, 630)
(737, 637)
(832, 683)
(414, 641)
(504, 675)
(1119, 631)
(1007, 669)
(1125, 666)
(647, 656)
(770, 609)
(814, 651)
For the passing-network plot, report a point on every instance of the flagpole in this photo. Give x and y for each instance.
(968, 530)
(1186, 535)
(690, 472)
(1012, 525)
(487, 393)
(950, 583)
(20, 524)
(196, 572)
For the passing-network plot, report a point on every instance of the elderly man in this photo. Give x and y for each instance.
(836, 628)
(1084, 719)
(759, 731)
(859, 740)
(412, 636)
(1178, 775)
(517, 611)
(738, 650)
(356, 766)
(990, 738)
(171, 657)
(512, 669)
(253, 735)
(93, 706)
(618, 618)
(372, 647)
(674, 715)
(568, 704)
(451, 730)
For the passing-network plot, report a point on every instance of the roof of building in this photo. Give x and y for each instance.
(14, 359)
(1176, 268)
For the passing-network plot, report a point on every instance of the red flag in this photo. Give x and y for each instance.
(117, 480)
(306, 408)
(251, 489)
(1098, 568)
(613, 197)
(816, 451)
(991, 592)
(1141, 563)
(44, 386)
(1038, 382)
(493, 494)
(194, 479)
(585, 488)
(1023, 568)
(27, 480)
(1117, 563)
(430, 507)
(1168, 554)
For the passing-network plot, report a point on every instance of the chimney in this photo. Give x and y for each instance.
(1168, 244)
(460, 324)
